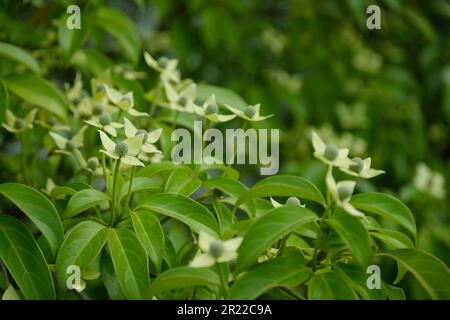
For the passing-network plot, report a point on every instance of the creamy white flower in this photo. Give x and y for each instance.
(215, 250)
(429, 182)
(209, 110)
(105, 123)
(291, 201)
(125, 150)
(167, 68)
(250, 113)
(180, 100)
(330, 153)
(17, 125)
(149, 137)
(342, 193)
(67, 146)
(361, 168)
(124, 102)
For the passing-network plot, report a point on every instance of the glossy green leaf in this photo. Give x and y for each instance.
(283, 185)
(71, 39)
(122, 28)
(24, 260)
(432, 274)
(182, 277)
(388, 207)
(157, 168)
(130, 263)
(38, 91)
(289, 271)
(82, 245)
(392, 239)
(183, 182)
(139, 184)
(83, 200)
(150, 235)
(268, 229)
(184, 209)
(353, 233)
(39, 209)
(109, 277)
(330, 286)
(4, 100)
(19, 55)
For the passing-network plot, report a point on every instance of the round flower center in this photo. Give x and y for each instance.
(19, 124)
(51, 121)
(216, 249)
(76, 100)
(357, 165)
(105, 119)
(144, 133)
(250, 111)
(331, 152)
(344, 192)
(211, 109)
(100, 88)
(126, 99)
(293, 201)
(163, 61)
(121, 149)
(92, 163)
(98, 109)
(183, 101)
(70, 145)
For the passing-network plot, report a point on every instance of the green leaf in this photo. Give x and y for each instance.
(182, 277)
(91, 61)
(83, 200)
(122, 28)
(234, 188)
(393, 239)
(38, 91)
(157, 168)
(283, 185)
(329, 286)
(39, 209)
(130, 263)
(184, 209)
(70, 40)
(289, 271)
(109, 277)
(4, 100)
(268, 229)
(182, 181)
(223, 96)
(353, 233)
(150, 235)
(432, 274)
(388, 207)
(140, 184)
(19, 55)
(24, 260)
(81, 246)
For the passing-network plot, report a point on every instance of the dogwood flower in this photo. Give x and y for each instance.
(68, 146)
(361, 168)
(291, 201)
(91, 165)
(149, 138)
(125, 150)
(124, 102)
(17, 125)
(330, 153)
(74, 92)
(180, 101)
(51, 123)
(105, 123)
(215, 250)
(167, 68)
(342, 193)
(210, 110)
(250, 113)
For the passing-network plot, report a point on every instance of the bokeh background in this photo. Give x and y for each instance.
(313, 64)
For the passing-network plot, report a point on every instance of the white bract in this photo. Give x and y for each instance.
(250, 113)
(125, 150)
(124, 102)
(68, 146)
(105, 123)
(361, 168)
(167, 68)
(148, 140)
(291, 201)
(17, 125)
(330, 153)
(215, 250)
(209, 110)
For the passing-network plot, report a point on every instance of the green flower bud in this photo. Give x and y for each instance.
(344, 192)
(19, 124)
(121, 149)
(76, 100)
(98, 109)
(144, 133)
(331, 152)
(93, 163)
(163, 61)
(250, 111)
(293, 201)
(183, 101)
(105, 119)
(216, 248)
(126, 99)
(100, 88)
(358, 164)
(211, 109)
(51, 121)
(70, 145)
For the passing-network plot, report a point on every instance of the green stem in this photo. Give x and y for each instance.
(23, 157)
(221, 267)
(128, 198)
(153, 106)
(113, 204)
